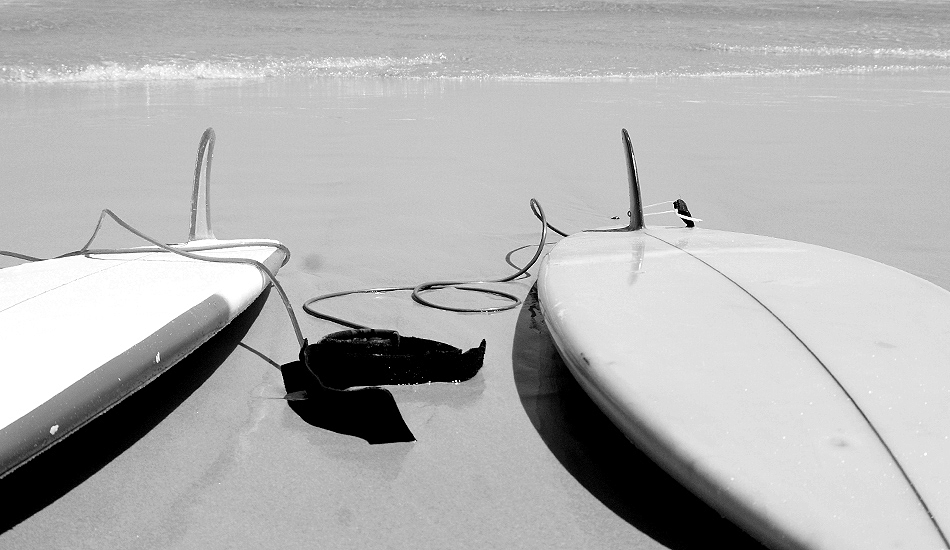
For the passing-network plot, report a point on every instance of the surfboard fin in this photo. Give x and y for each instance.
(201, 194)
(636, 203)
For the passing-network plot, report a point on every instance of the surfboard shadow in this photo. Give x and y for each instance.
(59, 469)
(599, 456)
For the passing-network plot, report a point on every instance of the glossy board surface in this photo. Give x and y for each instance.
(81, 333)
(802, 391)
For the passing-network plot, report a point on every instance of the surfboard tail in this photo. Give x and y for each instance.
(201, 194)
(636, 203)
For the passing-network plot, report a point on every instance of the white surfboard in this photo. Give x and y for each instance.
(79, 334)
(801, 391)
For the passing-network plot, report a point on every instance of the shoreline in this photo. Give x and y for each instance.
(804, 145)
(374, 184)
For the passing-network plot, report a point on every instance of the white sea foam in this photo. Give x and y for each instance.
(56, 41)
(832, 51)
(393, 69)
(221, 70)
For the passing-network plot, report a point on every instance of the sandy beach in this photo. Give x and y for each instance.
(386, 182)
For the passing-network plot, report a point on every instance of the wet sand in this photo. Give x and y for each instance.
(381, 183)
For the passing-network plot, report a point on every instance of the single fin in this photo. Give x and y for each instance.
(636, 203)
(201, 194)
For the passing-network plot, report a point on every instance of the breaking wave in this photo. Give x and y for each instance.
(875, 53)
(224, 70)
(442, 67)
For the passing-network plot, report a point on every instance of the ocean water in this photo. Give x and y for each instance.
(817, 111)
(52, 41)
(390, 142)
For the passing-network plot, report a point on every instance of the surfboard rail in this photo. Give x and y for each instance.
(122, 318)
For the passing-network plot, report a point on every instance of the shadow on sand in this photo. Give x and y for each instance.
(82, 454)
(600, 457)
